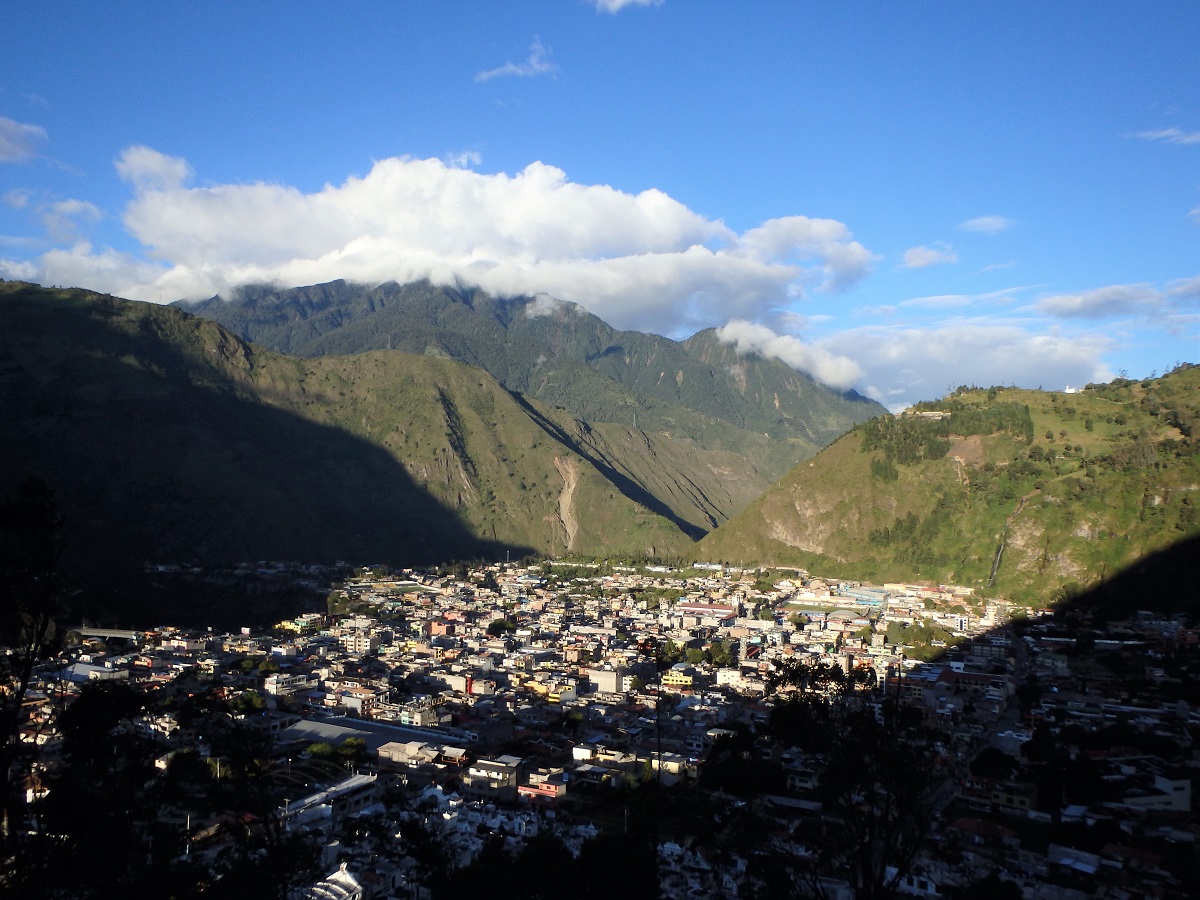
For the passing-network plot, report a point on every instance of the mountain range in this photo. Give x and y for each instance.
(167, 437)
(701, 390)
(417, 424)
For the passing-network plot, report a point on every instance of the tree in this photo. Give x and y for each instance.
(668, 654)
(497, 627)
(993, 763)
(721, 653)
(353, 751)
(31, 600)
(321, 750)
(102, 807)
(877, 786)
(878, 781)
(266, 860)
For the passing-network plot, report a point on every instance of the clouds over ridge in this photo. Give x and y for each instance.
(636, 260)
(643, 261)
(903, 363)
(839, 372)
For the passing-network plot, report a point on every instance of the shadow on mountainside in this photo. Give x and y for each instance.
(160, 447)
(626, 485)
(1166, 581)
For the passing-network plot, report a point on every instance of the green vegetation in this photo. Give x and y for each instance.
(908, 439)
(982, 497)
(921, 640)
(497, 627)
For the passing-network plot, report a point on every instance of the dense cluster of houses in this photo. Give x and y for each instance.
(502, 699)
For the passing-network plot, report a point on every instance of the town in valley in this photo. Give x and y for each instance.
(497, 705)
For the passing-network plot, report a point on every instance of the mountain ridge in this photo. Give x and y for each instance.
(558, 353)
(170, 437)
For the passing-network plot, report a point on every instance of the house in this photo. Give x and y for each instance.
(492, 779)
(341, 885)
(545, 787)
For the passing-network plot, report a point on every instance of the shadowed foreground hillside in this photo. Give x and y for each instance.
(165, 438)
(1165, 582)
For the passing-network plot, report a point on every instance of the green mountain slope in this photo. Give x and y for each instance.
(556, 352)
(1020, 493)
(167, 437)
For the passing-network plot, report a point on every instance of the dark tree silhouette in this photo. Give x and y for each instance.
(877, 786)
(31, 539)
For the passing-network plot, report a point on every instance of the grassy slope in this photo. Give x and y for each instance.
(462, 437)
(1130, 488)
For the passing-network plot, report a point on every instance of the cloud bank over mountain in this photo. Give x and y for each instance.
(640, 261)
(636, 260)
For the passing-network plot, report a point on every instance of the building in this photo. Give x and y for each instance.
(492, 779)
(545, 787)
(341, 885)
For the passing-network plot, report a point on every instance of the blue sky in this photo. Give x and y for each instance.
(898, 198)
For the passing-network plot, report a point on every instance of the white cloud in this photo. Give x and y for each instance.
(795, 238)
(544, 305)
(467, 159)
(19, 142)
(920, 257)
(838, 372)
(953, 301)
(1185, 289)
(62, 219)
(12, 270)
(17, 198)
(537, 63)
(1194, 214)
(1113, 300)
(637, 260)
(986, 224)
(106, 271)
(1170, 136)
(148, 170)
(23, 243)
(615, 6)
(941, 301)
(903, 365)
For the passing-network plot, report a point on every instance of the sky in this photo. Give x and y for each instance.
(895, 198)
